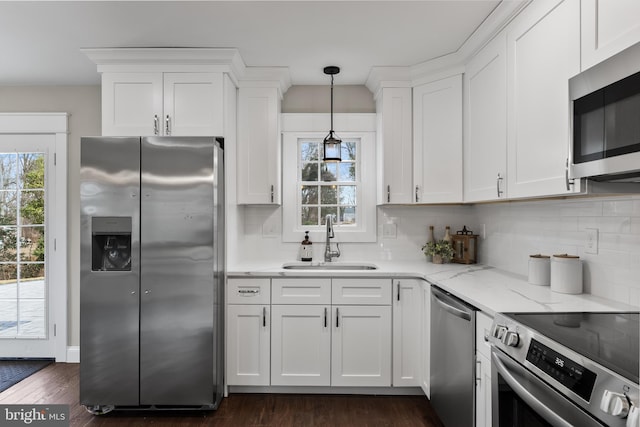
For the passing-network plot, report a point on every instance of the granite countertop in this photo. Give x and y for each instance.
(489, 289)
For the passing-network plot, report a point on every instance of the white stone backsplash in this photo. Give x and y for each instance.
(512, 232)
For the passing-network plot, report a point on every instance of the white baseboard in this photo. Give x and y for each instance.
(73, 354)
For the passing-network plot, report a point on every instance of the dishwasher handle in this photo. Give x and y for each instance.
(447, 304)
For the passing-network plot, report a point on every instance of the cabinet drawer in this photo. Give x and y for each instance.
(483, 327)
(301, 291)
(248, 291)
(361, 291)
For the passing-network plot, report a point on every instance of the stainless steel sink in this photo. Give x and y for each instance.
(329, 266)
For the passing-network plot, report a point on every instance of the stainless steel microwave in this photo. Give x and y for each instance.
(605, 125)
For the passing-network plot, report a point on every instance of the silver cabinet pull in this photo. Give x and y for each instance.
(568, 181)
(337, 317)
(325, 317)
(478, 371)
(417, 189)
(248, 292)
(498, 181)
(264, 317)
(398, 291)
(167, 126)
(388, 194)
(156, 128)
(272, 194)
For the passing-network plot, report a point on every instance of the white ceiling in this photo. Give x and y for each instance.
(40, 42)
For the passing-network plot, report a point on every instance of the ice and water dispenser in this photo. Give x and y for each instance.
(111, 243)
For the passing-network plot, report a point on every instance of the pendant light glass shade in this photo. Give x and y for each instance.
(332, 145)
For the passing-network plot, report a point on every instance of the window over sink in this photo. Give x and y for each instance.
(313, 189)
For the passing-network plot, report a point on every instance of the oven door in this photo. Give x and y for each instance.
(519, 398)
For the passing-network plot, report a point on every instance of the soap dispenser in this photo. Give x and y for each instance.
(306, 251)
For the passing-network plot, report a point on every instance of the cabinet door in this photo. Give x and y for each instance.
(406, 332)
(394, 145)
(248, 344)
(301, 345)
(131, 104)
(425, 341)
(193, 104)
(483, 370)
(607, 28)
(485, 136)
(361, 346)
(543, 50)
(258, 146)
(437, 141)
(483, 391)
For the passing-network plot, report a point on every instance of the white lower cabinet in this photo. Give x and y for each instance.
(483, 371)
(407, 305)
(319, 332)
(248, 344)
(425, 338)
(301, 345)
(361, 346)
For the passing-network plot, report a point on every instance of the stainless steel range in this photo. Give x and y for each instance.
(565, 369)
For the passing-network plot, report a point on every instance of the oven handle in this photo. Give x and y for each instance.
(523, 393)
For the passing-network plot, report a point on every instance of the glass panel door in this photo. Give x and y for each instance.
(25, 329)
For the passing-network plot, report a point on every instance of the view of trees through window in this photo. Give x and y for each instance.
(328, 188)
(22, 244)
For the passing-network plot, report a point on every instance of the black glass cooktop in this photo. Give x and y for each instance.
(610, 339)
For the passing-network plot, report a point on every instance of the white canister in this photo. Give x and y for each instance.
(566, 274)
(539, 270)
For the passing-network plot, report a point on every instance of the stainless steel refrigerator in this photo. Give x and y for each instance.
(152, 272)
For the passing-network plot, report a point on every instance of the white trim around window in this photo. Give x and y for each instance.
(360, 127)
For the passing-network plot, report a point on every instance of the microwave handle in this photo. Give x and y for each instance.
(524, 394)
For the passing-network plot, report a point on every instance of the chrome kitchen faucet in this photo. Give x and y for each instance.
(328, 253)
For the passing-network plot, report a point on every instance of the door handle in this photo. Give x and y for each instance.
(451, 309)
(156, 128)
(167, 126)
(337, 318)
(264, 317)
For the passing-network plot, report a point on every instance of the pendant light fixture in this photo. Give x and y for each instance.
(332, 145)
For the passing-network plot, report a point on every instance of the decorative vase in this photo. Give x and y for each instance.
(437, 259)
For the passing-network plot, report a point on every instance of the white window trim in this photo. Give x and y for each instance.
(346, 126)
(54, 124)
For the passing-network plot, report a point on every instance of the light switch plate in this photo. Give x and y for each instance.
(389, 231)
(591, 243)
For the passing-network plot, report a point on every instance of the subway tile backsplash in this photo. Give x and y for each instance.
(510, 232)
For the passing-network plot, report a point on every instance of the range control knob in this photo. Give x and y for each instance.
(511, 339)
(633, 419)
(616, 404)
(498, 331)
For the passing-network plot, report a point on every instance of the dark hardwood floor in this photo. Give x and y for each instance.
(58, 384)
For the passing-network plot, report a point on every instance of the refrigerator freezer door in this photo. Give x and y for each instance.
(177, 270)
(109, 297)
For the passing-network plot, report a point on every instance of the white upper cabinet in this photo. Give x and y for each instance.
(156, 103)
(259, 146)
(485, 136)
(607, 28)
(193, 104)
(543, 52)
(437, 141)
(395, 159)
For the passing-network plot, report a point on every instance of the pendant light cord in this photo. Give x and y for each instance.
(332, 103)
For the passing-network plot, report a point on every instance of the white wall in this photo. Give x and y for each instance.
(518, 229)
(513, 231)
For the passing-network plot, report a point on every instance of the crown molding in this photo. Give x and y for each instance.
(279, 77)
(168, 59)
(450, 64)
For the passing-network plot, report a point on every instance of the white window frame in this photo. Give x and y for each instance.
(55, 124)
(315, 126)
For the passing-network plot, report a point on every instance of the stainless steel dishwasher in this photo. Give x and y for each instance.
(453, 325)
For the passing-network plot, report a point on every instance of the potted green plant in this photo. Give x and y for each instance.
(440, 251)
